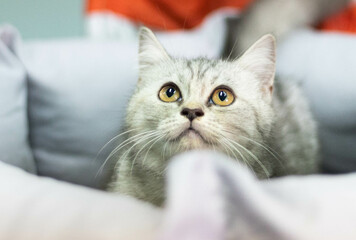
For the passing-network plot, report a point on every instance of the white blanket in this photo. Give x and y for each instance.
(209, 197)
(37, 208)
(213, 198)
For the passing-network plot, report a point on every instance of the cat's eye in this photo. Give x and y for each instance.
(169, 93)
(222, 97)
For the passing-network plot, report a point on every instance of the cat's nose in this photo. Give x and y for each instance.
(191, 114)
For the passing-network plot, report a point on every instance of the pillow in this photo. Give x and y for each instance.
(324, 63)
(14, 146)
(78, 90)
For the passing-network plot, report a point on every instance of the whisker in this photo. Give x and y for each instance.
(144, 159)
(134, 160)
(267, 148)
(222, 144)
(254, 157)
(232, 49)
(250, 153)
(242, 156)
(111, 140)
(144, 138)
(231, 150)
(130, 139)
(226, 150)
(164, 149)
(270, 150)
(120, 146)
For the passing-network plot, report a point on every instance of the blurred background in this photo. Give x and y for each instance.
(44, 19)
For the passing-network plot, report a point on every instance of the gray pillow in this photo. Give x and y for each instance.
(14, 147)
(325, 64)
(77, 93)
(78, 90)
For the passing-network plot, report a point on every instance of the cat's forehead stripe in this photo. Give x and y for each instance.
(199, 67)
(202, 72)
(189, 66)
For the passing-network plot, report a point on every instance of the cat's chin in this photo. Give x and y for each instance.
(192, 139)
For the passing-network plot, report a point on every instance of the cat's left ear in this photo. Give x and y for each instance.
(150, 50)
(260, 60)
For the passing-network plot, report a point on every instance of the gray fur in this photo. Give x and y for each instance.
(272, 133)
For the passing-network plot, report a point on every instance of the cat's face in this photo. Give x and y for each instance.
(201, 103)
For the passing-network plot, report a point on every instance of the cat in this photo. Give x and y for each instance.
(234, 107)
(279, 17)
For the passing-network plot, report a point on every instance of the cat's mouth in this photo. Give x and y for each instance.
(191, 134)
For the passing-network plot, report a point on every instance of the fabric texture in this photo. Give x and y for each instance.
(14, 145)
(38, 208)
(211, 197)
(78, 90)
(164, 14)
(324, 64)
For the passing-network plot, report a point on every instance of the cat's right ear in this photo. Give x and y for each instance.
(150, 50)
(260, 60)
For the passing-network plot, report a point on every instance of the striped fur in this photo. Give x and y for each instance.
(271, 132)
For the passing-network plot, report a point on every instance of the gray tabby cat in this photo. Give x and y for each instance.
(234, 107)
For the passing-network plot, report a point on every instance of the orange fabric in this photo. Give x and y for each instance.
(164, 14)
(187, 14)
(344, 21)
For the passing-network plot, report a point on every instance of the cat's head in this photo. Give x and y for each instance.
(201, 103)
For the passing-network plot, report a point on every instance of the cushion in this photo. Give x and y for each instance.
(14, 145)
(324, 64)
(78, 90)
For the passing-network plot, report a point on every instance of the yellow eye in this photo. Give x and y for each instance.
(222, 97)
(169, 93)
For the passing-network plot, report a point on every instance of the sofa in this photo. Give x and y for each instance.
(62, 100)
